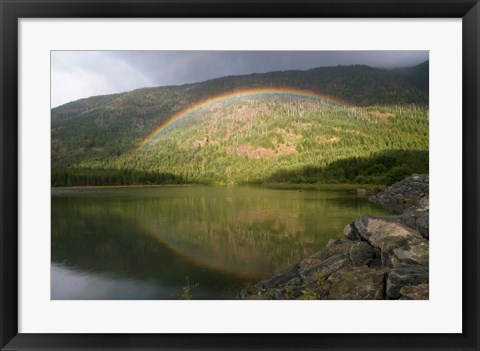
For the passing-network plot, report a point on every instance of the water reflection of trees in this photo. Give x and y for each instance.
(241, 230)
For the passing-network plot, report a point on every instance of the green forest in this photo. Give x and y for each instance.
(379, 136)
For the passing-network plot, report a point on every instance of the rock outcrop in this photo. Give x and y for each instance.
(409, 196)
(410, 192)
(378, 258)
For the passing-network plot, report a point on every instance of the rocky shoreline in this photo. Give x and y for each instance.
(378, 258)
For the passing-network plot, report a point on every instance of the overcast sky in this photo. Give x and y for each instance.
(80, 74)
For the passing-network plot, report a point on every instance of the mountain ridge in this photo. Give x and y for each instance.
(402, 74)
(250, 137)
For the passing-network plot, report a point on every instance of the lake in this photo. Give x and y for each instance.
(155, 242)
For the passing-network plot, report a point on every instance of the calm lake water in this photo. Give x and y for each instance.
(143, 243)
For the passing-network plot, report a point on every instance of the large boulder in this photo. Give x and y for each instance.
(325, 268)
(396, 241)
(412, 191)
(277, 280)
(361, 253)
(415, 292)
(334, 247)
(384, 232)
(358, 283)
(416, 218)
(405, 275)
(350, 232)
(413, 252)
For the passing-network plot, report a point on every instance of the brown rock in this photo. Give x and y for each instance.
(384, 233)
(350, 232)
(416, 292)
(325, 268)
(334, 247)
(361, 253)
(405, 275)
(397, 242)
(357, 283)
(413, 253)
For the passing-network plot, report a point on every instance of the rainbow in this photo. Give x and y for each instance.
(236, 94)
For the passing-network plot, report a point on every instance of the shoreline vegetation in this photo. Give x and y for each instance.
(381, 258)
(360, 188)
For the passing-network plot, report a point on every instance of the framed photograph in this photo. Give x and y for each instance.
(254, 175)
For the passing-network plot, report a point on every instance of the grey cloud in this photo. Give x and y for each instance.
(79, 74)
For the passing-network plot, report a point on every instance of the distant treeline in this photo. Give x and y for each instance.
(99, 176)
(382, 168)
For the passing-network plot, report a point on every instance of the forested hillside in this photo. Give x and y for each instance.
(352, 124)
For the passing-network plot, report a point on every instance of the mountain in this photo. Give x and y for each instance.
(329, 124)
(418, 76)
(358, 84)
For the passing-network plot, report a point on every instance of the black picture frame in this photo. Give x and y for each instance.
(11, 11)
